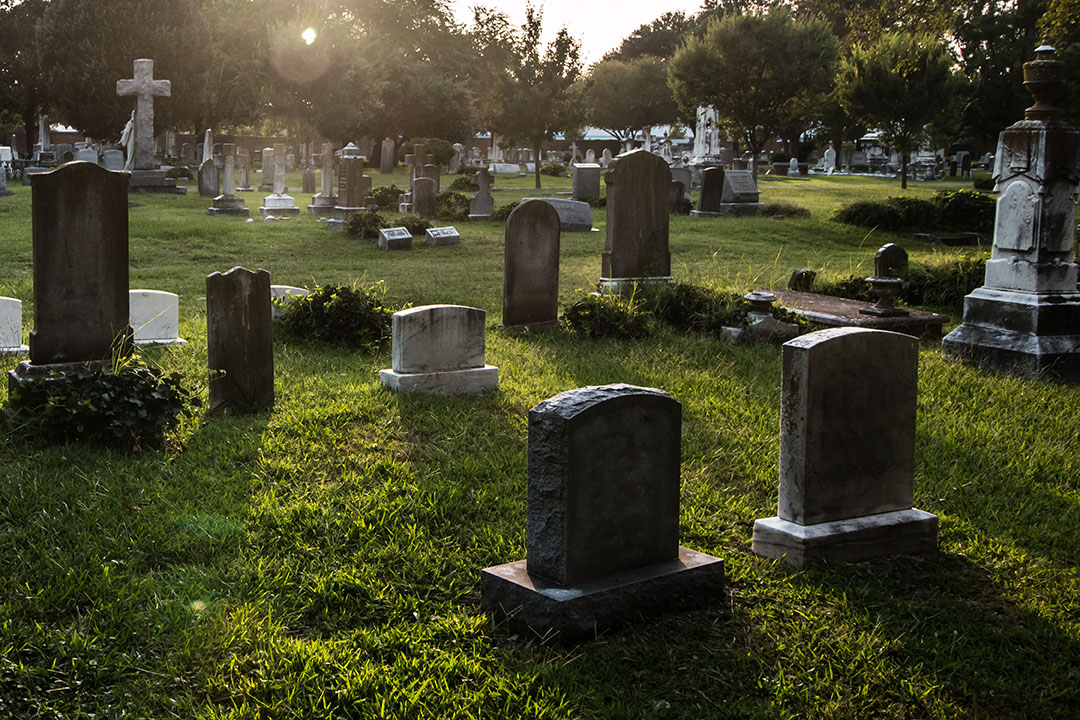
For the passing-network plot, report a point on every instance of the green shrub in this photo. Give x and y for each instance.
(366, 224)
(501, 213)
(608, 315)
(129, 406)
(441, 149)
(895, 213)
(784, 210)
(415, 224)
(942, 284)
(462, 183)
(352, 316)
(452, 206)
(986, 184)
(386, 198)
(554, 170)
(690, 307)
(779, 157)
(913, 212)
(966, 210)
(180, 171)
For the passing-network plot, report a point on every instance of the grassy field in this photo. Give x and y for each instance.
(322, 560)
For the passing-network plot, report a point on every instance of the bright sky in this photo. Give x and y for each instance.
(599, 25)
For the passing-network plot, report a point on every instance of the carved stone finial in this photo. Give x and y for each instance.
(1044, 77)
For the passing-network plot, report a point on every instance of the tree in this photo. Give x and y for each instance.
(1062, 23)
(22, 94)
(660, 38)
(624, 96)
(761, 73)
(538, 96)
(896, 85)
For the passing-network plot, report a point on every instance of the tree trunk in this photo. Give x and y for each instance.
(903, 169)
(30, 128)
(536, 165)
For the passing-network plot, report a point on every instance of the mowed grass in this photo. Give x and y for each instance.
(322, 560)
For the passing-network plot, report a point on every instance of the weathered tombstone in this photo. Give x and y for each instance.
(847, 451)
(590, 156)
(482, 203)
(353, 186)
(386, 157)
(574, 215)
(602, 542)
(424, 197)
(397, 238)
(243, 169)
(802, 280)
(4, 192)
(439, 349)
(11, 327)
(432, 171)
(636, 245)
(283, 295)
(267, 166)
(325, 200)
(239, 341)
(740, 193)
(605, 158)
(586, 183)
(1026, 317)
(531, 267)
(418, 154)
(80, 236)
(145, 175)
(279, 204)
(455, 161)
(683, 175)
(793, 167)
(443, 236)
(504, 169)
(829, 161)
(87, 155)
(187, 153)
(112, 160)
(154, 316)
(208, 179)
(228, 203)
(677, 198)
(712, 190)
(889, 260)
(307, 180)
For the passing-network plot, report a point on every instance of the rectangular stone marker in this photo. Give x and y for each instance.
(603, 518)
(87, 155)
(712, 190)
(351, 185)
(11, 327)
(636, 246)
(424, 197)
(208, 179)
(739, 186)
(397, 238)
(113, 159)
(586, 183)
(325, 200)
(155, 317)
(239, 341)
(574, 215)
(443, 236)
(439, 349)
(386, 157)
(505, 169)
(683, 175)
(482, 203)
(531, 267)
(847, 451)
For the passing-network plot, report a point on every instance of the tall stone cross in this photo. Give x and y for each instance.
(145, 87)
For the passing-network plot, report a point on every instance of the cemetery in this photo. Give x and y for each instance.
(652, 439)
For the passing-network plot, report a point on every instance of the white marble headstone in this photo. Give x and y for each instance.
(155, 317)
(282, 295)
(11, 327)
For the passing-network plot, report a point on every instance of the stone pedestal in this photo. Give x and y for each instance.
(279, 206)
(231, 205)
(153, 181)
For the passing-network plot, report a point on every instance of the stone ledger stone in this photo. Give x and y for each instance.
(155, 317)
(603, 518)
(239, 341)
(636, 244)
(439, 349)
(847, 451)
(531, 267)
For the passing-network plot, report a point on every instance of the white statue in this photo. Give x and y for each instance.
(127, 139)
(830, 160)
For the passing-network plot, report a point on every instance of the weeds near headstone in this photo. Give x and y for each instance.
(385, 198)
(415, 224)
(502, 213)
(948, 209)
(452, 206)
(348, 315)
(608, 315)
(365, 224)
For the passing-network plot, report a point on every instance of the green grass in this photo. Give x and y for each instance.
(322, 560)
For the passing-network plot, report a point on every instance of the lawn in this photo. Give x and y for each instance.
(322, 560)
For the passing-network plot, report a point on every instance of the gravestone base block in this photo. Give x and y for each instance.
(528, 327)
(5, 192)
(901, 532)
(1032, 335)
(741, 209)
(704, 213)
(443, 382)
(279, 206)
(14, 350)
(480, 217)
(55, 372)
(160, 342)
(228, 205)
(572, 613)
(405, 207)
(322, 204)
(630, 285)
(153, 181)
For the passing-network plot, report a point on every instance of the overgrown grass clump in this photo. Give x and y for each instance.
(365, 224)
(350, 315)
(938, 284)
(966, 210)
(451, 206)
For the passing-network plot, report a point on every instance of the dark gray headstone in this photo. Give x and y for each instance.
(482, 203)
(424, 197)
(889, 260)
(712, 189)
(80, 229)
(351, 185)
(208, 179)
(801, 279)
(738, 187)
(431, 170)
(239, 341)
(386, 157)
(676, 197)
(636, 245)
(307, 180)
(586, 184)
(531, 266)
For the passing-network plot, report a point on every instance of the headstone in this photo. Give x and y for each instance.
(279, 204)
(847, 451)
(482, 203)
(432, 171)
(455, 161)
(239, 341)
(443, 236)
(590, 157)
(602, 542)
(290, 162)
(325, 200)
(243, 169)
(145, 175)
(830, 160)
(386, 157)
(586, 184)
(424, 197)
(11, 327)
(1025, 319)
(712, 190)
(87, 155)
(397, 238)
(228, 203)
(605, 158)
(793, 167)
(282, 295)
(307, 180)
(504, 169)
(574, 215)
(417, 164)
(267, 165)
(353, 185)
(683, 175)
(677, 198)
(636, 244)
(889, 260)
(187, 154)
(80, 238)
(112, 159)
(439, 349)
(802, 280)
(740, 193)
(154, 316)
(208, 179)
(531, 266)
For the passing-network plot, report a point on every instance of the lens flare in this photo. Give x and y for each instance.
(308, 35)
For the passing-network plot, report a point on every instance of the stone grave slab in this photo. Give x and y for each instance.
(155, 317)
(638, 215)
(397, 238)
(443, 236)
(574, 215)
(586, 182)
(439, 349)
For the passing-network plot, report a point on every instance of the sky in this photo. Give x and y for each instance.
(600, 25)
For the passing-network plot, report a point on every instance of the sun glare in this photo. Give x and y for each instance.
(308, 35)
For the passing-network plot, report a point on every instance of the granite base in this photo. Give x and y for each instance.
(902, 532)
(153, 181)
(628, 285)
(444, 382)
(573, 613)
